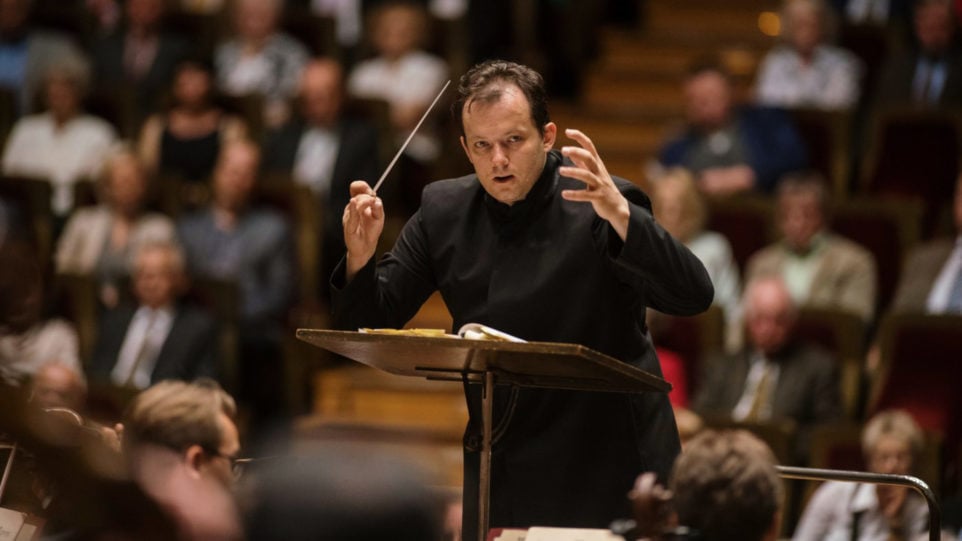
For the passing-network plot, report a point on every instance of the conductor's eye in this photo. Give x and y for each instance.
(481, 145)
(514, 139)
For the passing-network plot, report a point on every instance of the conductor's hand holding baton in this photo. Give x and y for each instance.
(363, 222)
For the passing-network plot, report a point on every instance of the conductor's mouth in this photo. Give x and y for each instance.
(503, 178)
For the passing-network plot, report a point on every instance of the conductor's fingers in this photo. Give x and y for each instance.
(581, 157)
(582, 140)
(359, 187)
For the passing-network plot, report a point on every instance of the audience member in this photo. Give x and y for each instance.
(929, 75)
(101, 240)
(804, 70)
(820, 268)
(891, 444)
(776, 376)
(185, 139)
(408, 78)
(252, 247)
(341, 493)
(140, 55)
(931, 280)
(180, 441)
(237, 241)
(260, 59)
(158, 338)
(682, 211)
(731, 148)
(62, 144)
(28, 54)
(324, 150)
(723, 487)
(31, 339)
(57, 385)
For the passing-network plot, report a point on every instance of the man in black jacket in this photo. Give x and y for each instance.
(158, 338)
(547, 246)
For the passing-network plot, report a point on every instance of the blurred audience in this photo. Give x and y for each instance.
(101, 240)
(873, 12)
(237, 240)
(341, 493)
(57, 385)
(185, 138)
(251, 246)
(180, 441)
(681, 210)
(776, 376)
(28, 54)
(408, 78)
(140, 55)
(731, 148)
(63, 144)
(260, 59)
(158, 337)
(820, 268)
(931, 279)
(804, 70)
(892, 444)
(325, 149)
(723, 487)
(930, 74)
(29, 338)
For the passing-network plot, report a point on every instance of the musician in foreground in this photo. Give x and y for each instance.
(547, 246)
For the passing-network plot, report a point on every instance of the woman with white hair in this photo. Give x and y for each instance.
(891, 444)
(804, 70)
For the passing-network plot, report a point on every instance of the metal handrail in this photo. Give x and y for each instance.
(818, 474)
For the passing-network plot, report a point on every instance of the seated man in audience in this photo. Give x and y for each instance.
(159, 338)
(731, 149)
(892, 444)
(252, 247)
(931, 281)
(724, 486)
(775, 377)
(180, 441)
(325, 150)
(929, 75)
(820, 268)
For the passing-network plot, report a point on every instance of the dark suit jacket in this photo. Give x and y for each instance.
(898, 76)
(922, 268)
(108, 58)
(187, 353)
(357, 159)
(807, 390)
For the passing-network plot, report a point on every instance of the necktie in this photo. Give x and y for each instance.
(922, 88)
(763, 395)
(144, 352)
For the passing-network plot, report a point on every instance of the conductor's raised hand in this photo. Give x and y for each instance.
(600, 190)
(363, 222)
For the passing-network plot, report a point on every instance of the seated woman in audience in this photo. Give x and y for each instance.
(680, 208)
(185, 140)
(891, 443)
(101, 240)
(804, 70)
(408, 78)
(260, 59)
(61, 144)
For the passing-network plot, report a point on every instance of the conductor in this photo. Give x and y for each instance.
(547, 246)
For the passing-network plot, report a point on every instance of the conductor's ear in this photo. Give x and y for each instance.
(550, 134)
(464, 145)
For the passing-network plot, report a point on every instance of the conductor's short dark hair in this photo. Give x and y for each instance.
(485, 83)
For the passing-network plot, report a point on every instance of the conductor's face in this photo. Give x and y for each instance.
(503, 144)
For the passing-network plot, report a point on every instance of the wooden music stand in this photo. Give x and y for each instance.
(488, 363)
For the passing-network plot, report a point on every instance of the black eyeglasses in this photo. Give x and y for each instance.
(238, 466)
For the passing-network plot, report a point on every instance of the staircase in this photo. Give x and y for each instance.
(632, 97)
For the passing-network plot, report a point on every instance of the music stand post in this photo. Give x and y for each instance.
(488, 363)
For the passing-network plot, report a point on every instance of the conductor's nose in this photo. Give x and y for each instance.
(500, 157)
